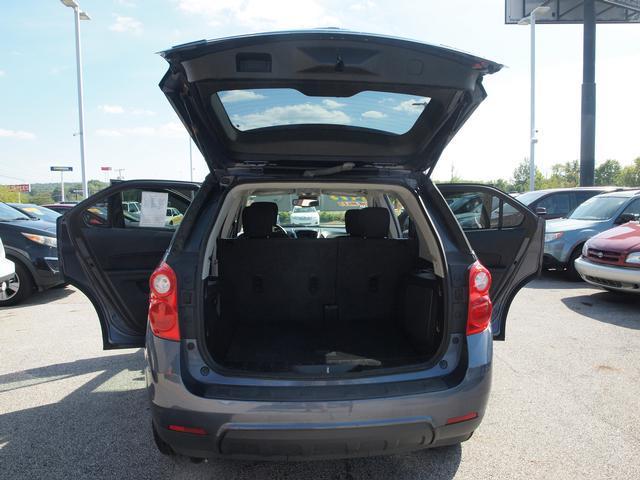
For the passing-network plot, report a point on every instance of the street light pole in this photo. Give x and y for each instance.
(532, 138)
(531, 19)
(79, 15)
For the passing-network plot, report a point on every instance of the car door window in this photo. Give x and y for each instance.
(140, 208)
(482, 210)
(633, 208)
(556, 204)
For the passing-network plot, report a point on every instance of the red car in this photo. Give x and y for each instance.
(611, 260)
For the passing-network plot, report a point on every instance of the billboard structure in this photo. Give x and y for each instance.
(588, 13)
(572, 11)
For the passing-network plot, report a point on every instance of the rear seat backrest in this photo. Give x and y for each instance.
(316, 281)
(276, 279)
(371, 268)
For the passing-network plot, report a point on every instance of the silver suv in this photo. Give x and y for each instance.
(369, 333)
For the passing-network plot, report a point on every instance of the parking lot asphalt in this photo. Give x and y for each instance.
(566, 391)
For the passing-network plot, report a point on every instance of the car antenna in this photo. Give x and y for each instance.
(329, 171)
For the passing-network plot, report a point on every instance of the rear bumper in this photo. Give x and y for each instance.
(299, 430)
(616, 278)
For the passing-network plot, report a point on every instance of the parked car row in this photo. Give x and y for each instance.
(30, 243)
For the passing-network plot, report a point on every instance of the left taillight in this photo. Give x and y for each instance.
(480, 308)
(163, 303)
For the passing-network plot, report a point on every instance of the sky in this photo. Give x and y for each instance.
(129, 124)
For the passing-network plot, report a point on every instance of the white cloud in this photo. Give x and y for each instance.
(126, 24)
(18, 134)
(360, 6)
(374, 114)
(233, 96)
(111, 108)
(2, 73)
(142, 112)
(304, 113)
(332, 103)
(412, 106)
(261, 14)
(167, 130)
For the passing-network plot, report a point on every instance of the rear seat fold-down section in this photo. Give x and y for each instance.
(317, 301)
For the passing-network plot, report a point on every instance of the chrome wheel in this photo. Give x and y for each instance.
(9, 288)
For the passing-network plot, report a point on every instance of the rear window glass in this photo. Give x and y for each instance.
(271, 107)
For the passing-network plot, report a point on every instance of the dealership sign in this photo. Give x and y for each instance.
(21, 187)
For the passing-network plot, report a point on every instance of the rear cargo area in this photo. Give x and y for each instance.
(322, 306)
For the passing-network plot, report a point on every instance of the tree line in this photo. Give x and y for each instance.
(43, 193)
(567, 174)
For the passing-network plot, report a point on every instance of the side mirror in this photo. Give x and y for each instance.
(625, 218)
(540, 211)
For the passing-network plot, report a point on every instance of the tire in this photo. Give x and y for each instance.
(17, 289)
(163, 447)
(572, 273)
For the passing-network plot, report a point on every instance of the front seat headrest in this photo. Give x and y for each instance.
(370, 222)
(259, 218)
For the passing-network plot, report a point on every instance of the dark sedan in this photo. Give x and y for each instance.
(32, 246)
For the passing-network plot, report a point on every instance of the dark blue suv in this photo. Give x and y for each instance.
(368, 333)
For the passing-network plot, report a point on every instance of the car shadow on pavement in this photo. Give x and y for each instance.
(556, 279)
(40, 298)
(102, 429)
(608, 307)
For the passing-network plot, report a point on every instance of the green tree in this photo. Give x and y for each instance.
(7, 195)
(608, 173)
(630, 175)
(564, 175)
(520, 179)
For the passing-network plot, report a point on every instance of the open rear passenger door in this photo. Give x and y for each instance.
(506, 236)
(109, 245)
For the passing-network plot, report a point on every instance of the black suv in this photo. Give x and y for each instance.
(267, 336)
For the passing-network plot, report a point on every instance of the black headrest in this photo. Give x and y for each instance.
(259, 218)
(370, 222)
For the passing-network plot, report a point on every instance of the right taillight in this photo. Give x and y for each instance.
(163, 303)
(479, 313)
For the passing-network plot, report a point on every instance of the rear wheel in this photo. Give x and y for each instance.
(17, 288)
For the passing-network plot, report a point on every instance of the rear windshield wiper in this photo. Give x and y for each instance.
(320, 172)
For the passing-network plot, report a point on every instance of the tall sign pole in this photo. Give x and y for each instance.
(61, 169)
(588, 115)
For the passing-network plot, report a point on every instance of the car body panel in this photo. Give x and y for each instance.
(119, 292)
(279, 424)
(604, 259)
(40, 260)
(612, 277)
(621, 239)
(321, 63)
(513, 255)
